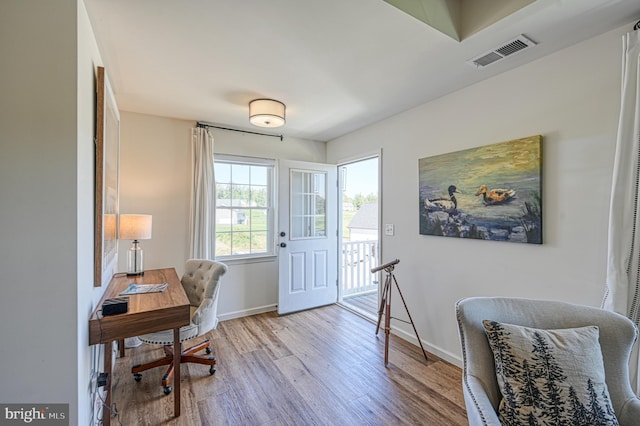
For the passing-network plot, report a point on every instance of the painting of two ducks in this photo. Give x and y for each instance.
(491, 192)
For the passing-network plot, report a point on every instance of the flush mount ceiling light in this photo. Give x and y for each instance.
(266, 113)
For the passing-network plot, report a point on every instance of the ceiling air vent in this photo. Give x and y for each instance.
(509, 48)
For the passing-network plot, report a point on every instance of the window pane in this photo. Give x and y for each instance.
(320, 230)
(259, 242)
(223, 243)
(240, 196)
(320, 189)
(259, 175)
(259, 220)
(241, 242)
(308, 204)
(222, 172)
(223, 220)
(240, 173)
(259, 196)
(240, 219)
(319, 205)
(244, 208)
(223, 195)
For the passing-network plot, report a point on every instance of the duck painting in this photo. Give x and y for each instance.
(506, 179)
(496, 196)
(443, 204)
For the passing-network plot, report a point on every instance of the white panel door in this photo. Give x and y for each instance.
(307, 235)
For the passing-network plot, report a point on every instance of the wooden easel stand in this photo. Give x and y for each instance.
(385, 308)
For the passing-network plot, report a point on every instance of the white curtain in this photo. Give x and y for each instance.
(623, 258)
(202, 219)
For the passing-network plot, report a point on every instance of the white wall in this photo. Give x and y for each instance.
(155, 170)
(89, 359)
(46, 175)
(571, 98)
(154, 179)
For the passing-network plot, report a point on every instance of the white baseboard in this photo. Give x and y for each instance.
(439, 352)
(247, 312)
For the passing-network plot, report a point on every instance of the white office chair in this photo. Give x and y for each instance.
(201, 282)
(482, 396)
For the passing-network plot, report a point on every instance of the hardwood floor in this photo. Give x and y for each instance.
(366, 304)
(318, 367)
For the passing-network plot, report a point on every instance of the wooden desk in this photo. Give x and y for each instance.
(147, 313)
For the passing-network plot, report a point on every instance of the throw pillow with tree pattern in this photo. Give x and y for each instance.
(550, 377)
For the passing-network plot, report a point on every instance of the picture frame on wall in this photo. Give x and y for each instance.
(107, 152)
(492, 192)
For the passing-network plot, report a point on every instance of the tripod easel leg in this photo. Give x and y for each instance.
(385, 290)
(387, 327)
(385, 308)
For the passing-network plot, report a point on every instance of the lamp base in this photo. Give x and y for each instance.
(133, 274)
(134, 259)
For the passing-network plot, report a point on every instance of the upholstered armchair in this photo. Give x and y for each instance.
(617, 335)
(201, 282)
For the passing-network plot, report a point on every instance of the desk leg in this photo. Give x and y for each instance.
(176, 371)
(106, 410)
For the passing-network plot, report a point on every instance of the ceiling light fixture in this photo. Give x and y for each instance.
(267, 113)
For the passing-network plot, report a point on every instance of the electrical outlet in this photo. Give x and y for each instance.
(389, 229)
(102, 379)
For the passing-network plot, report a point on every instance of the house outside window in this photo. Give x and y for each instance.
(244, 207)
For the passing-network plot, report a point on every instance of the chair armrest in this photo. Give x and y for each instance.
(480, 411)
(630, 412)
(203, 314)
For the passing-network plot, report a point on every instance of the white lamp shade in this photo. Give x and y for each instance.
(266, 113)
(135, 227)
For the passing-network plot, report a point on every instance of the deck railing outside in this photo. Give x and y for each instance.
(358, 257)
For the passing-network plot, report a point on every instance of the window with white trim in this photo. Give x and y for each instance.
(244, 207)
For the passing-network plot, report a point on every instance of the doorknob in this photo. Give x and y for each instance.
(283, 244)
(282, 234)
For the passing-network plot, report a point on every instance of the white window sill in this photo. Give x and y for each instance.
(247, 260)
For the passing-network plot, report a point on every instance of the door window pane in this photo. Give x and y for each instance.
(308, 204)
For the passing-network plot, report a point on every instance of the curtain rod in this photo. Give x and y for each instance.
(203, 124)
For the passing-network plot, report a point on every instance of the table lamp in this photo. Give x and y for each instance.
(135, 227)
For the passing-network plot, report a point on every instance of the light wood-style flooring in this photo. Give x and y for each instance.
(319, 367)
(366, 304)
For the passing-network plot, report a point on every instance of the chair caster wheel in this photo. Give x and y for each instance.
(167, 390)
(212, 370)
(208, 350)
(137, 376)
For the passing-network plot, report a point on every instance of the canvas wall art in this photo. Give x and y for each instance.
(107, 153)
(492, 192)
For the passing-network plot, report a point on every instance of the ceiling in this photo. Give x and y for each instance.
(338, 65)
